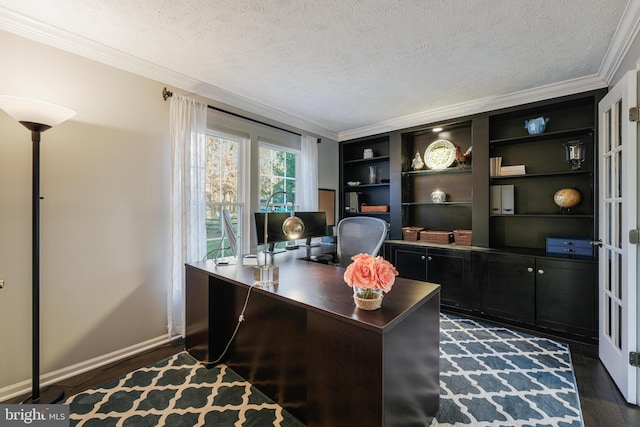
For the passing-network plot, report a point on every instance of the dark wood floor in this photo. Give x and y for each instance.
(601, 401)
(602, 404)
(105, 373)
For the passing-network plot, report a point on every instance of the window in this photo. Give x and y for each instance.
(223, 189)
(277, 173)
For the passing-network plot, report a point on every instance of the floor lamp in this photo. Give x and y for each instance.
(37, 116)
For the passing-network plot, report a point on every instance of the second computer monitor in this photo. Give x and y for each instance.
(315, 225)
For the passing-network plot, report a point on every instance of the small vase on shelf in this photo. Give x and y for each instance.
(438, 196)
(373, 175)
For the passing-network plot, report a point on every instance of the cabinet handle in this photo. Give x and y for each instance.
(541, 271)
(429, 258)
(530, 270)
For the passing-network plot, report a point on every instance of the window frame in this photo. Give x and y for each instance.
(263, 143)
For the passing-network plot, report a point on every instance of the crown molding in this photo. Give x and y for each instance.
(622, 39)
(624, 36)
(554, 90)
(29, 28)
(38, 31)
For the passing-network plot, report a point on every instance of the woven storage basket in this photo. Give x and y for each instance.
(436, 236)
(411, 233)
(462, 237)
(373, 208)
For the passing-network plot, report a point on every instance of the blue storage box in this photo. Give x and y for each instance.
(569, 246)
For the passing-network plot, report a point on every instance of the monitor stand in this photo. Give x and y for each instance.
(311, 245)
(271, 249)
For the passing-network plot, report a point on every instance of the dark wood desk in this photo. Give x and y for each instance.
(306, 346)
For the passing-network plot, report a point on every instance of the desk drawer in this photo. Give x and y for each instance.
(570, 250)
(570, 246)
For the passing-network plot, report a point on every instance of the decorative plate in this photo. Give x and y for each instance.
(440, 154)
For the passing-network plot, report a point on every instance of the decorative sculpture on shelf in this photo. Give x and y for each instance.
(536, 126)
(417, 163)
(575, 153)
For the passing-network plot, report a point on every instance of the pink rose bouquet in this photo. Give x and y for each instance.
(370, 273)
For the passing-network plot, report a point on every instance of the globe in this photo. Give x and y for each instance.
(567, 197)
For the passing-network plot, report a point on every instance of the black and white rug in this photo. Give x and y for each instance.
(177, 392)
(489, 376)
(493, 376)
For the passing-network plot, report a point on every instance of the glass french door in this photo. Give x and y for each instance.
(617, 144)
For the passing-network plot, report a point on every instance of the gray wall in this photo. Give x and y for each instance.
(104, 227)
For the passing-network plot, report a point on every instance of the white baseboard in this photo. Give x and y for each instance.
(24, 387)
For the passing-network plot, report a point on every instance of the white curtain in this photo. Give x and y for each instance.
(187, 235)
(307, 188)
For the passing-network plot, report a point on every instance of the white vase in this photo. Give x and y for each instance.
(438, 196)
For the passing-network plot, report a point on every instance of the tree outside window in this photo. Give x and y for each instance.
(221, 188)
(277, 173)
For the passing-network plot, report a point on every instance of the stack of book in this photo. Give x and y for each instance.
(512, 170)
(496, 168)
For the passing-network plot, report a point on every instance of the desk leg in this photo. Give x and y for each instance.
(197, 314)
(211, 315)
(360, 377)
(412, 368)
(344, 374)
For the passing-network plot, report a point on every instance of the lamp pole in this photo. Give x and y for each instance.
(36, 116)
(267, 275)
(292, 226)
(36, 129)
(35, 263)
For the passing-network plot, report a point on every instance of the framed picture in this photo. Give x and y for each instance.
(327, 203)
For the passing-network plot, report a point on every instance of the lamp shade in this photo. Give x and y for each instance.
(34, 111)
(293, 227)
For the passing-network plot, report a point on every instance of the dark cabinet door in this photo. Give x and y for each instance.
(509, 287)
(411, 263)
(566, 295)
(452, 270)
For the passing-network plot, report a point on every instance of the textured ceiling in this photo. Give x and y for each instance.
(349, 64)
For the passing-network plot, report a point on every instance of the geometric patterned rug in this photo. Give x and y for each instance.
(489, 376)
(493, 376)
(177, 392)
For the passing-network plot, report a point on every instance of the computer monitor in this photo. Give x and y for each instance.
(228, 234)
(315, 225)
(274, 228)
(227, 231)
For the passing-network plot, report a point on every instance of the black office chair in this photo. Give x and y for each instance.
(359, 234)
